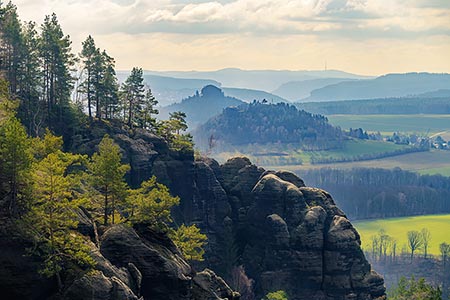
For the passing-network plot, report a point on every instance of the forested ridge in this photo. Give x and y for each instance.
(262, 122)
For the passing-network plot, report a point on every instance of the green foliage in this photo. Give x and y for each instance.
(57, 63)
(172, 130)
(412, 289)
(132, 97)
(52, 219)
(50, 143)
(278, 295)
(151, 204)
(190, 241)
(107, 176)
(269, 123)
(15, 161)
(98, 84)
(147, 109)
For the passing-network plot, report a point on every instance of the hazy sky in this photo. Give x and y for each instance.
(360, 36)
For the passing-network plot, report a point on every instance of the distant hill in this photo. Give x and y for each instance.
(263, 123)
(391, 85)
(435, 94)
(201, 106)
(168, 90)
(249, 95)
(265, 80)
(296, 90)
(387, 106)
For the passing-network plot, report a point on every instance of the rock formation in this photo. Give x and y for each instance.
(285, 235)
(288, 236)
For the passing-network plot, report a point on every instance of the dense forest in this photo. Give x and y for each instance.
(379, 193)
(262, 122)
(201, 106)
(391, 106)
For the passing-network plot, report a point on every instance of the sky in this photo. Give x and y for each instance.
(369, 37)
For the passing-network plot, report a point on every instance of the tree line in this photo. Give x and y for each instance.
(42, 72)
(412, 105)
(365, 193)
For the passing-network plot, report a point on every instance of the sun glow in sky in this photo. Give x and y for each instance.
(360, 36)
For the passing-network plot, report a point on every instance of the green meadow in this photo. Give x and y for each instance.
(438, 225)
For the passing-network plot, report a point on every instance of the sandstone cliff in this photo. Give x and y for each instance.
(288, 236)
(285, 235)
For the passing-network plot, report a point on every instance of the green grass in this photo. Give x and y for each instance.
(422, 124)
(438, 225)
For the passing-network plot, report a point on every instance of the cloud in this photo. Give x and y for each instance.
(248, 16)
(164, 34)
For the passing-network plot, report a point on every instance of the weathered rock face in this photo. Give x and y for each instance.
(161, 271)
(288, 236)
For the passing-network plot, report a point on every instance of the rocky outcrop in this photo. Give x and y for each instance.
(163, 272)
(288, 236)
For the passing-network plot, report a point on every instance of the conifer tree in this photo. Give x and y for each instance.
(133, 94)
(57, 63)
(52, 219)
(29, 80)
(12, 44)
(189, 241)
(151, 204)
(109, 93)
(88, 56)
(148, 108)
(15, 160)
(107, 176)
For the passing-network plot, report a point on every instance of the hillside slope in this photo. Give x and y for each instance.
(390, 85)
(268, 123)
(202, 106)
(296, 90)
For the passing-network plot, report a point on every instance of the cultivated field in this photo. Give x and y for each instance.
(438, 225)
(387, 124)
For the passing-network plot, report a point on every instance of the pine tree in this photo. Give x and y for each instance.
(151, 204)
(172, 130)
(145, 119)
(12, 44)
(57, 63)
(107, 176)
(29, 81)
(109, 94)
(133, 94)
(189, 241)
(15, 160)
(88, 56)
(52, 219)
